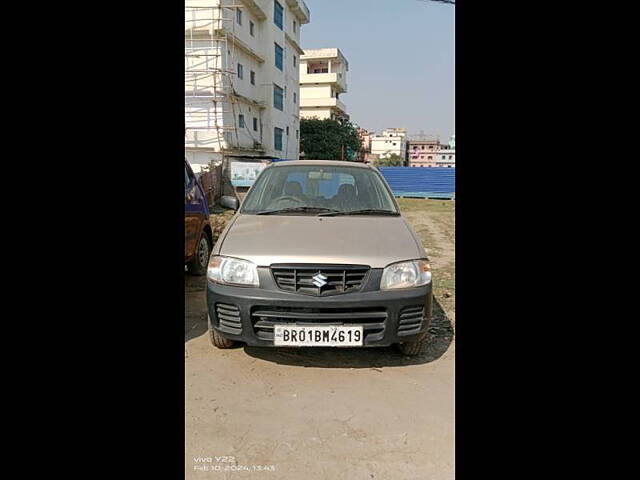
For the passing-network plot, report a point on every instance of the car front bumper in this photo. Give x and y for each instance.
(248, 314)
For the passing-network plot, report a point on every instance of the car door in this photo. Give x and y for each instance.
(193, 216)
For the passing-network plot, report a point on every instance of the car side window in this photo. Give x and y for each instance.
(187, 178)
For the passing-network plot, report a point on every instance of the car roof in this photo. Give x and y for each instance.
(327, 163)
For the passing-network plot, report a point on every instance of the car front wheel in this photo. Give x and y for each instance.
(216, 339)
(415, 347)
(198, 265)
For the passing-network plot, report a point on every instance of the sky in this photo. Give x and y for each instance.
(401, 60)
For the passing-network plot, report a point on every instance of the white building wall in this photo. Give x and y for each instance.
(384, 146)
(320, 91)
(446, 158)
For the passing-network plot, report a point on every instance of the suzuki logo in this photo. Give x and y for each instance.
(319, 280)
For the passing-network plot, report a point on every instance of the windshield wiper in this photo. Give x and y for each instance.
(367, 211)
(298, 209)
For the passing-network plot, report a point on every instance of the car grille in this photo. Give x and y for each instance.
(373, 320)
(410, 320)
(320, 280)
(229, 318)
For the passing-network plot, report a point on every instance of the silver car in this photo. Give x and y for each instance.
(319, 255)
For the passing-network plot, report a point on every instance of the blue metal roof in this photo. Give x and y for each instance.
(436, 182)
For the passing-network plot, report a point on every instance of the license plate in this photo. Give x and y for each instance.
(318, 336)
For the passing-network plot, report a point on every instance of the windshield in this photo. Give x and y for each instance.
(317, 189)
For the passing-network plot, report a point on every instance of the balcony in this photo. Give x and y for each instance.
(255, 9)
(337, 79)
(333, 103)
(300, 10)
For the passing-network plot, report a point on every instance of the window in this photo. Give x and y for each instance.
(429, 157)
(255, 124)
(251, 25)
(252, 75)
(294, 26)
(277, 138)
(287, 130)
(278, 14)
(297, 133)
(241, 121)
(240, 71)
(279, 56)
(295, 61)
(239, 16)
(278, 97)
(295, 97)
(449, 157)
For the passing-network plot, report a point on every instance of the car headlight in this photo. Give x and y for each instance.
(232, 271)
(414, 273)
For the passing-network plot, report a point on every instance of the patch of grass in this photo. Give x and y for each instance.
(423, 212)
(417, 204)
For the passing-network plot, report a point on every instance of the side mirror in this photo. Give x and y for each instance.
(228, 201)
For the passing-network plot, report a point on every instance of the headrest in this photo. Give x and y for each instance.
(293, 189)
(347, 190)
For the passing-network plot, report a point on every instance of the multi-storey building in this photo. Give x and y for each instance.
(392, 141)
(446, 154)
(423, 153)
(432, 153)
(242, 79)
(365, 141)
(323, 77)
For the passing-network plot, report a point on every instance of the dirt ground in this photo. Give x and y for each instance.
(327, 413)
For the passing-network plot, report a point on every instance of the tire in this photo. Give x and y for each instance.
(198, 265)
(218, 340)
(415, 347)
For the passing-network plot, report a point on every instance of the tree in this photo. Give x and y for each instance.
(328, 139)
(393, 160)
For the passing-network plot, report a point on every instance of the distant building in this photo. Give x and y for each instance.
(432, 153)
(392, 141)
(446, 156)
(365, 141)
(323, 78)
(423, 153)
(365, 138)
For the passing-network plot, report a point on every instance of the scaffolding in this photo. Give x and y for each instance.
(209, 91)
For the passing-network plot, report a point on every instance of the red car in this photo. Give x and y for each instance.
(198, 237)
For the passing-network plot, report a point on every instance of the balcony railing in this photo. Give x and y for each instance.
(335, 78)
(323, 102)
